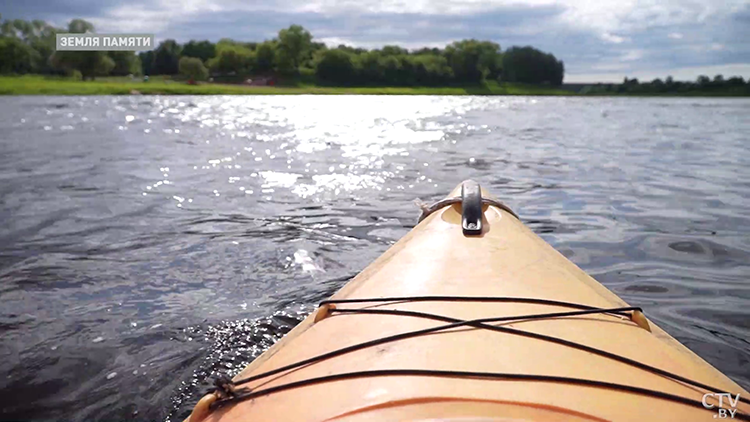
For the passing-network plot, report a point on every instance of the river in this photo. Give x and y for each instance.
(148, 243)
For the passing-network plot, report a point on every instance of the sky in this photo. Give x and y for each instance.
(599, 40)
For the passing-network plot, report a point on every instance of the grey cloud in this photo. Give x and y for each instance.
(367, 28)
(56, 10)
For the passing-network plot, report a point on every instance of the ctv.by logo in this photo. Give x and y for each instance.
(721, 412)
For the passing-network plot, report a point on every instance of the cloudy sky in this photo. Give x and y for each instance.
(599, 40)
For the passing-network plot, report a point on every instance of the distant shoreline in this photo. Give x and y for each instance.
(39, 85)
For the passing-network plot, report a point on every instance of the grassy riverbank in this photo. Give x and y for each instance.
(38, 85)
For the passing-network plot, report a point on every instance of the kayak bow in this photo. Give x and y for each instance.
(471, 316)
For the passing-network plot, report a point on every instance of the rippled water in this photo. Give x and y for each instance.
(148, 243)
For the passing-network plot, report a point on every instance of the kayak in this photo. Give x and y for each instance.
(473, 317)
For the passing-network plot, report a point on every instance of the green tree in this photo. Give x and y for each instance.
(126, 63)
(315, 49)
(529, 65)
(265, 56)
(428, 51)
(17, 56)
(203, 50)
(371, 71)
(45, 46)
(472, 61)
(735, 81)
(658, 85)
(232, 59)
(335, 67)
(431, 69)
(393, 50)
(147, 61)
(88, 63)
(167, 58)
(391, 68)
(293, 47)
(193, 68)
(37, 35)
(718, 81)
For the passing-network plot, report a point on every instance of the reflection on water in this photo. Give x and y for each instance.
(149, 243)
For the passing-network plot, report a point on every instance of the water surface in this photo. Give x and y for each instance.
(150, 243)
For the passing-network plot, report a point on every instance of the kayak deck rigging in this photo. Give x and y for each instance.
(231, 394)
(673, 387)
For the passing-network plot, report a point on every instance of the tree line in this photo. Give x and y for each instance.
(703, 83)
(29, 47)
(293, 53)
